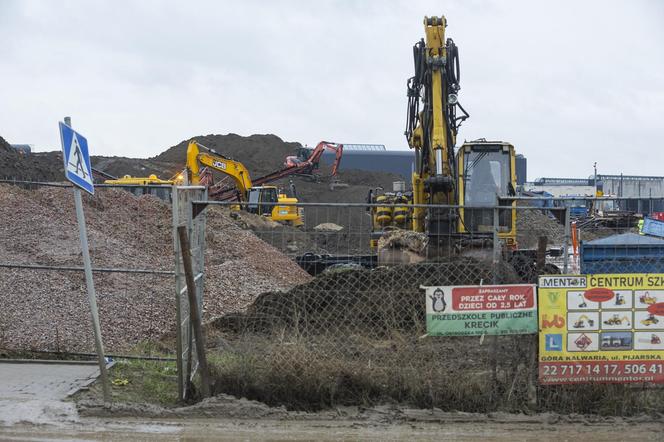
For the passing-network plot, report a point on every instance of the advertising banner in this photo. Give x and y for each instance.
(601, 328)
(481, 310)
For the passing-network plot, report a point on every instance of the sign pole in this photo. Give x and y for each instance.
(92, 297)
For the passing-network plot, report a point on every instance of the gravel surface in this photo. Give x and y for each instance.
(48, 310)
(531, 224)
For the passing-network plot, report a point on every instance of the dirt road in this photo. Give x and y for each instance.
(32, 407)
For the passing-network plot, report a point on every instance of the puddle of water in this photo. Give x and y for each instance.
(35, 411)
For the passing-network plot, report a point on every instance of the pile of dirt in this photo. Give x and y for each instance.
(531, 224)
(16, 165)
(4, 145)
(384, 300)
(120, 166)
(261, 154)
(404, 239)
(48, 310)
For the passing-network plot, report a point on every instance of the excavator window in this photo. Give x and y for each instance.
(262, 200)
(254, 200)
(269, 198)
(487, 179)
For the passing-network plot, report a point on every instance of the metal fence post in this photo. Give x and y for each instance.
(566, 242)
(497, 250)
(495, 268)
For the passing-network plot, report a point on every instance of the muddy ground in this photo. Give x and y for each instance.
(227, 418)
(378, 424)
(262, 430)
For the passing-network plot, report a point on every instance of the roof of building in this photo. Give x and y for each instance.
(363, 147)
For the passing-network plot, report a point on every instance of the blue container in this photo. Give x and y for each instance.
(653, 227)
(626, 253)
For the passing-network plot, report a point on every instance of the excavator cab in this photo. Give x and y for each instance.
(262, 200)
(268, 201)
(487, 178)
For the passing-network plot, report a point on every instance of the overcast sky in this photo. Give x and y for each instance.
(567, 82)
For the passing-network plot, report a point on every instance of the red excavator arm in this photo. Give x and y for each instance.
(310, 164)
(301, 167)
(339, 151)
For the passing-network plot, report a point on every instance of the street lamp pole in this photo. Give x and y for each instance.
(595, 181)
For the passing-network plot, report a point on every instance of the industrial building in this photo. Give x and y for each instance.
(645, 193)
(376, 158)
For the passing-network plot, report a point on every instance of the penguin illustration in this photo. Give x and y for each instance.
(438, 301)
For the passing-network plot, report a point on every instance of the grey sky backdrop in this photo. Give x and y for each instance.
(567, 82)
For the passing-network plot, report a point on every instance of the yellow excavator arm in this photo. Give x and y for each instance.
(263, 200)
(212, 159)
(436, 53)
(431, 127)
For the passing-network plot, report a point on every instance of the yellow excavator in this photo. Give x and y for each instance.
(261, 200)
(480, 174)
(582, 321)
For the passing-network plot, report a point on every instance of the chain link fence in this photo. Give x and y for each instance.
(356, 332)
(42, 286)
(345, 327)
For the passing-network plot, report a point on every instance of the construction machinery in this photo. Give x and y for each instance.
(226, 193)
(480, 175)
(647, 299)
(620, 299)
(258, 199)
(617, 320)
(129, 180)
(308, 160)
(393, 211)
(582, 321)
(650, 320)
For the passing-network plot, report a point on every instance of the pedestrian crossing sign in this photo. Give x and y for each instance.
(76, 157)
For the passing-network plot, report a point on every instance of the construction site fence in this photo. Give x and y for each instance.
(162, 192)
(45, 305)
(355, 333)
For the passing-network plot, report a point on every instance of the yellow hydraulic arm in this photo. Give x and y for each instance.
(432, 130)
(436, 51)
(212, 159)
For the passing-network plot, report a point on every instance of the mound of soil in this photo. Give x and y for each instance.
(381, 300)
(120, 166)
(4, 145)
(261, 154)
(15, 165)
(48, 310)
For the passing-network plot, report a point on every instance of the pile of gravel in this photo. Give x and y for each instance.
(531, 224)
(48, 310)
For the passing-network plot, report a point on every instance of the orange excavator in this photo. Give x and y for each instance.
(308, 160)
